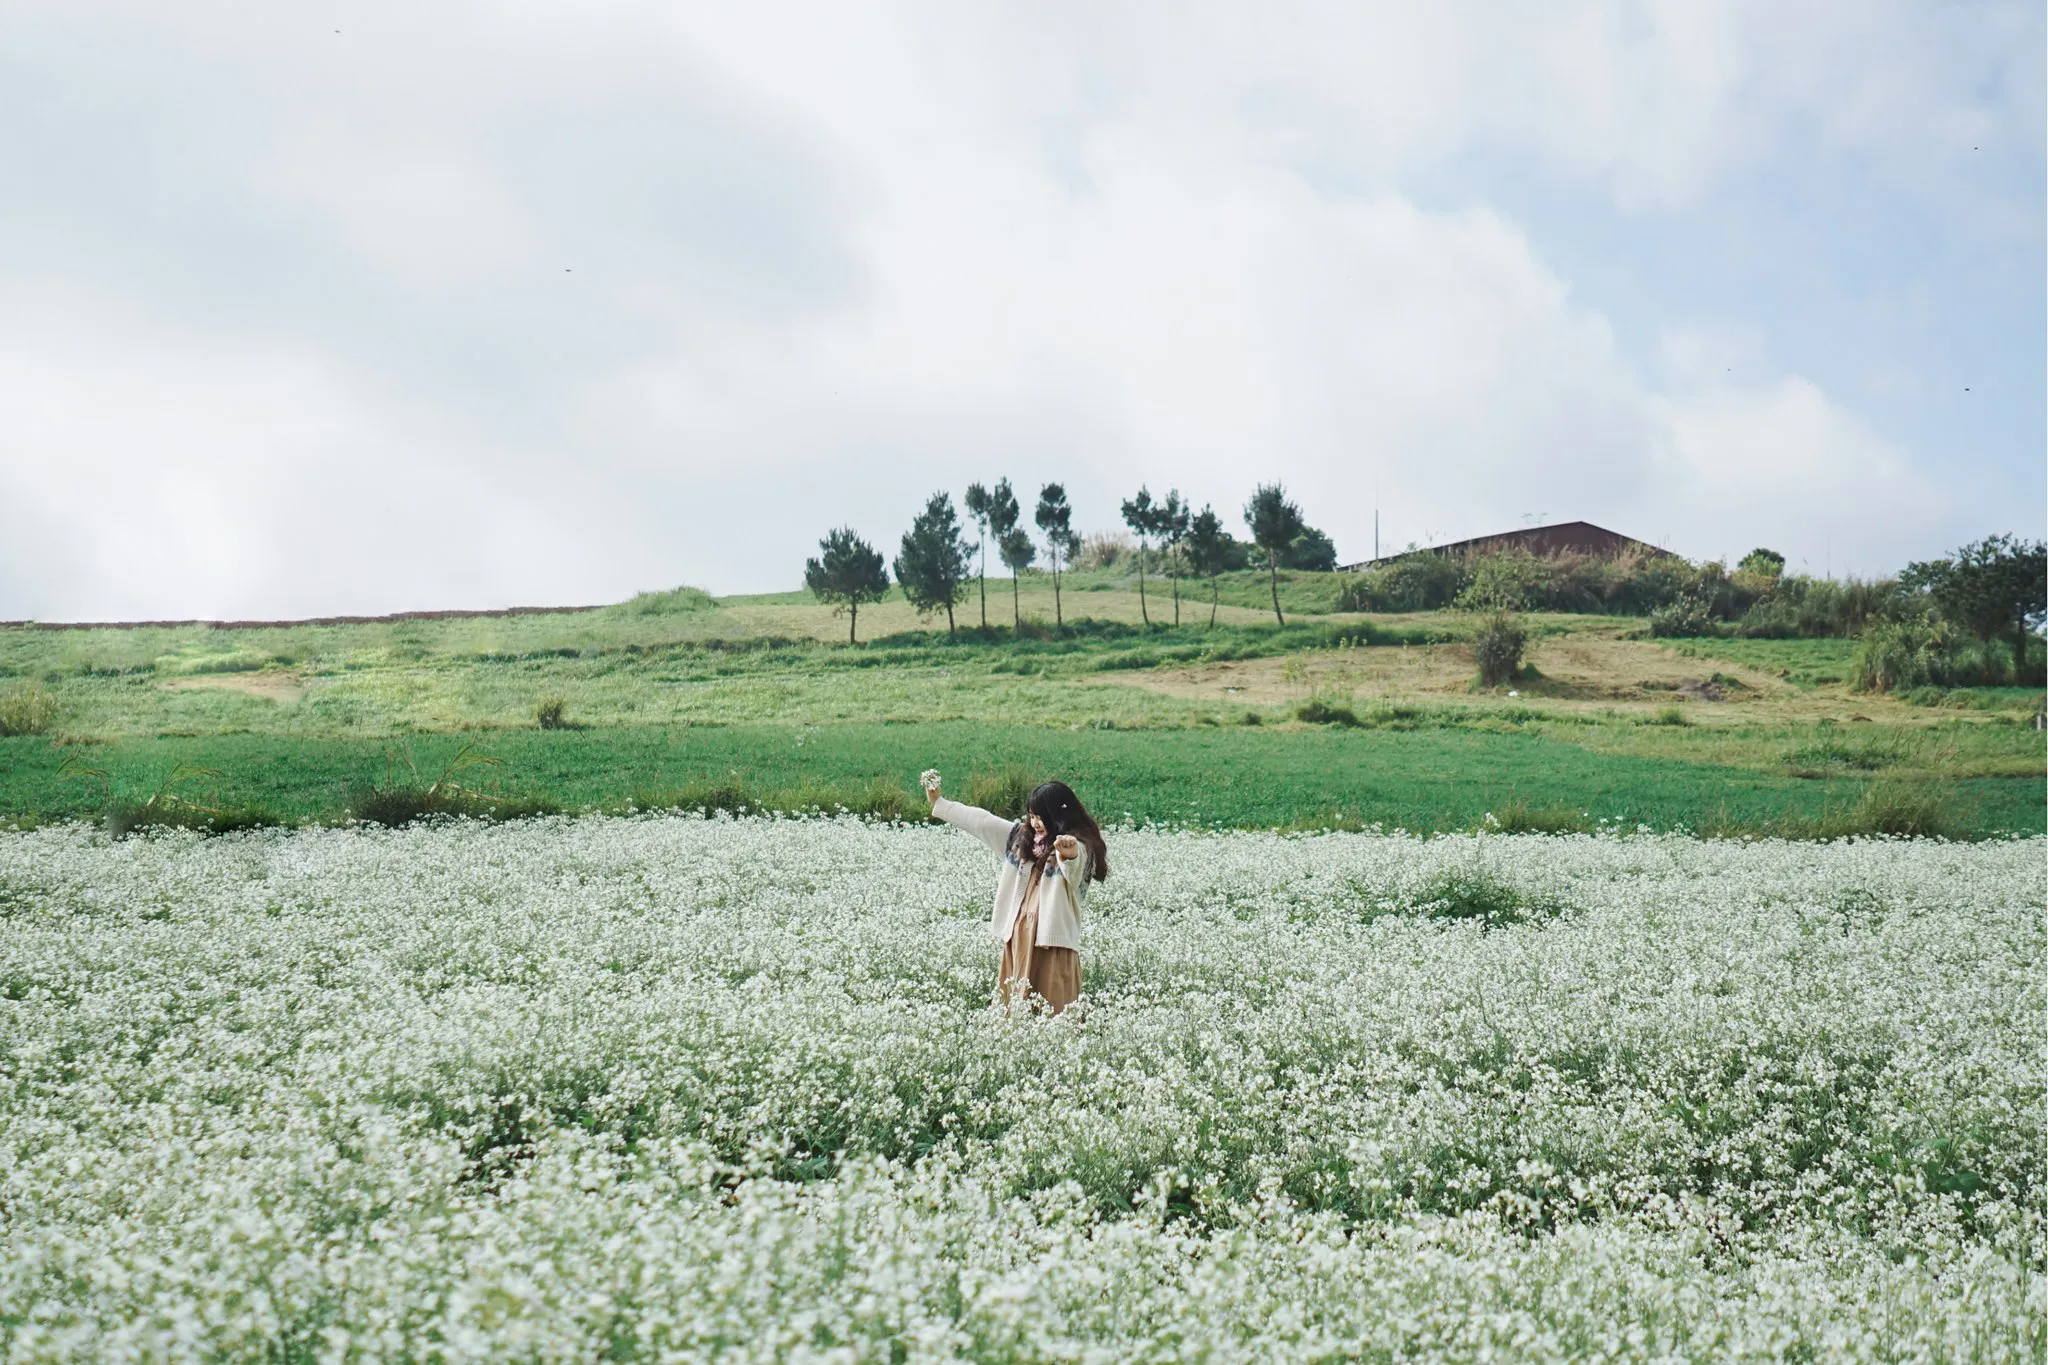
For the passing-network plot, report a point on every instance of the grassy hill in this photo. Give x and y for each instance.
(680, 698)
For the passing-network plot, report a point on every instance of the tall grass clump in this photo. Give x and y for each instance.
(1903, 809)
(552, 713)
(1328, 706)
(1004, 793)
(26, 709)
(403, 799)
(1802, 608)
(1902, 656)
(1519, 817)
(188, 797)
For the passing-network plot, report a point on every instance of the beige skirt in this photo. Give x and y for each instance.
(1029, 972)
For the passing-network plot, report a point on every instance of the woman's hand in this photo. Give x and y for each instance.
(930, 778)
(1067, 846)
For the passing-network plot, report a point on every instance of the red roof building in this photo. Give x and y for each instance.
(1566, 537)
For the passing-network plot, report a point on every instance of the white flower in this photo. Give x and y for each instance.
(678, 1087)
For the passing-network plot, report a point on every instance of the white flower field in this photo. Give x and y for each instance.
(682, 1089)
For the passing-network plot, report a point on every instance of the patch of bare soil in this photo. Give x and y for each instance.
(270, 685)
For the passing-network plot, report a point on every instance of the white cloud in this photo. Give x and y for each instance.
(827, 259)
(152, 471)
(1782, 465)
(431, 212)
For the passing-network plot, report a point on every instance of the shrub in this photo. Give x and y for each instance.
(1685, 618)
(1626, 584)
(1419, 582)
(1103, 549)
(1673, 714)
(26, 710)
(1894, 656)
(1641, 585)
(1509, 582)
(1802, 608)
(1498, 649)
(552, 713)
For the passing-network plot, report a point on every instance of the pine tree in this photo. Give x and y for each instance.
(1056, 522)
(1138, 515)
(1170, 523)
(978, 501)
(1013, 545)
(849, 573)
(1208, 551)
(1274, 523)
(932, 567)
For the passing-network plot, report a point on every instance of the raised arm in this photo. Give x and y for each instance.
(987, 826)
(990, 828)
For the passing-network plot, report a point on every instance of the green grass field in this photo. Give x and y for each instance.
(1416, 779)
(678, 697)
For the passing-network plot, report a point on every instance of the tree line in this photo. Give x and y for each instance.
(937, 564)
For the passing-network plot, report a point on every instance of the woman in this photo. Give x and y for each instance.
(1049, 857)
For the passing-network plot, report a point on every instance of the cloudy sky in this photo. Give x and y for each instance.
(361, 306)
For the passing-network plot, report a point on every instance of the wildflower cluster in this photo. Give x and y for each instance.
(683, 1088)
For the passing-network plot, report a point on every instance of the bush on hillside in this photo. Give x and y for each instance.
(1498, 647)
(1680, 598)
(1902, 656)
(1623, 585)
(1103, 549)
(1423, 582)
(1504, 583)
(1686, 618)
(1310, 551)
(1803, 608)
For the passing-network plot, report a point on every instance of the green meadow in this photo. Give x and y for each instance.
(1334, 720)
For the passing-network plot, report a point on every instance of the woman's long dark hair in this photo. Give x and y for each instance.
(1061, 812)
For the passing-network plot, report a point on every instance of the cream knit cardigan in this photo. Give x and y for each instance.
(1060, 890)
